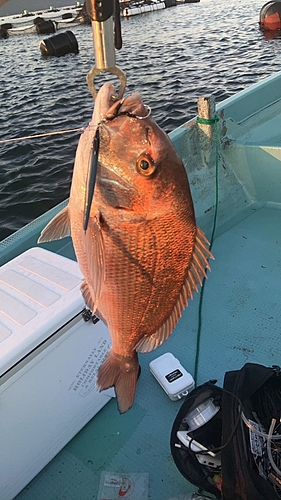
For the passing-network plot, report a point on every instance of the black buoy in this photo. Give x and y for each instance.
(170, 3)
(45, 27)
(38, 20)
(270, 16)
(59, 45)
(67, 15)
(6, 26)
(3, 33)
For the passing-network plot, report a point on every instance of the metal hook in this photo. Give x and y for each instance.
(148, 109)
(102, 14)
(114, 71)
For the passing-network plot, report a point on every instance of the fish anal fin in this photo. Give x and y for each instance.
(195, 273)
(57, 228)
(150, 342)
(120, 372)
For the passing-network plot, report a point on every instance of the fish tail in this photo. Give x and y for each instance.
(120, 372)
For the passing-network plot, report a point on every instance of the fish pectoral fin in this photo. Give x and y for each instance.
(57, 228)
(195, 273)
(95, 252)
(120, 372)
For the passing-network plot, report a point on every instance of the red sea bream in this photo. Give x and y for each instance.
(142, 254)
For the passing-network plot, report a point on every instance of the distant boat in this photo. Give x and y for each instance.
(135, 8)
(24, 23)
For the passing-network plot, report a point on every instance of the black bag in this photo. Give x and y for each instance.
(253, 394)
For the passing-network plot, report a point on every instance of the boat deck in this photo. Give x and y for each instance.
(240, 323)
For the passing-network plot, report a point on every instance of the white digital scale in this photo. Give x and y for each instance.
(172, 376)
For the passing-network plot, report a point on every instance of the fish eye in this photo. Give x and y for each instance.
(145, 165)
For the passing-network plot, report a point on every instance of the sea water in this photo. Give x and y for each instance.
(171, 57)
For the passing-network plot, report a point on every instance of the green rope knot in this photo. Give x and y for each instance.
(207, 121)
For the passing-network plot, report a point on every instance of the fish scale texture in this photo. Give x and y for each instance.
(139, 276)
(240, 323)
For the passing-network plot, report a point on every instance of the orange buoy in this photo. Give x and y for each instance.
(270, 16)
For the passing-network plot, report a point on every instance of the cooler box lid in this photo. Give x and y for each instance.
(39, 293)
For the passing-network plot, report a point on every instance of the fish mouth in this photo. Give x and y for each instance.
(131, 106)
(105, 100)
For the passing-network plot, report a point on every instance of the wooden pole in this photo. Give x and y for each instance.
(206, 111)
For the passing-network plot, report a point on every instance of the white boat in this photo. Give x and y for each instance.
(26, 19)
(26, 30)
(233, 159)
(22, 30)
(141, 8)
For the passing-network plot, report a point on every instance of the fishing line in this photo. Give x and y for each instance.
(229, 439)
(47, 134)
(80, 129)
(205, 121)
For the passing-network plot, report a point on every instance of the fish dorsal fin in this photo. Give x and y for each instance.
(94, 248)
(57, 228)
(196, 271)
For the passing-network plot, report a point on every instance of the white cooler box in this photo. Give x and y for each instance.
(49, 357)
